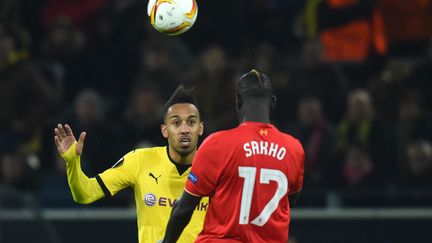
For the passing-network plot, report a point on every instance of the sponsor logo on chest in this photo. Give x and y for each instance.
(151, 200)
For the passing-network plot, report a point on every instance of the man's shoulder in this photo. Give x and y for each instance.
(143, 154)
(289, 138)
(294, 143)
(147, 151)
(218, 137)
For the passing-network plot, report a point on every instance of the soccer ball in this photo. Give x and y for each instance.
(172, 17)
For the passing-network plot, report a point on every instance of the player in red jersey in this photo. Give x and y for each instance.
(250, 174)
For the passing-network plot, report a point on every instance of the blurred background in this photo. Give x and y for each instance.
(353, 80)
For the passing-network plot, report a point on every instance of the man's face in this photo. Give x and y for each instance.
(309, 112)
(182, 128)
(359, 107)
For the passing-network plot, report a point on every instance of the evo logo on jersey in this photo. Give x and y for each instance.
(264, 148)
(151, 200)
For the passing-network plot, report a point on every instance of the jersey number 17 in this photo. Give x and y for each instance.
(266, 175)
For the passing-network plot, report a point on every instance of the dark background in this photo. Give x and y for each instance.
(353, 80)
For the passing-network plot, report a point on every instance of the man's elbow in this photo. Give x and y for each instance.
(182, 213)
(82, 200)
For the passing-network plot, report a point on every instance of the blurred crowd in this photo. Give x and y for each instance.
(353, 80)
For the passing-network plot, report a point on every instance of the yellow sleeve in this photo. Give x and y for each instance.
(122, 174)
(84, 190)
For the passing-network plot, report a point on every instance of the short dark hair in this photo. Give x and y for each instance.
(180, 96)
(254, 84)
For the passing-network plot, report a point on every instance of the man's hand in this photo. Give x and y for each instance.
(64, 139)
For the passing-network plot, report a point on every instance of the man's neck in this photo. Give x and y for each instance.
(255, 119)
(255, 112)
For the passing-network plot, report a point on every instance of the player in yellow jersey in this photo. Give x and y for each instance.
(157, 175)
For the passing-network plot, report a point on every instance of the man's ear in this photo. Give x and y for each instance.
(201, 128)
(164, 130)
(273, 102)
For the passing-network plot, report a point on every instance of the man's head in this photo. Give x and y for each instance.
(12, 167)
(254, 96)
(359, 105)
(145, 105)
(419, 157)
(13, 45)
(182, 123)
(309, 111)
(89, 107)
(410, 107)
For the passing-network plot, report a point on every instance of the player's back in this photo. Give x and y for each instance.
(257, 167)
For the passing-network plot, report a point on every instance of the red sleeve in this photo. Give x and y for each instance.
(205, 169)
(300, 173)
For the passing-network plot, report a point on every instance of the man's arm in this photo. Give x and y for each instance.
(84, 190)
(298, 184)
(293, 199)
(180, 216)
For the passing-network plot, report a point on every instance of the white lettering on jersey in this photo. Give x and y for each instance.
(263, 148)
(246, 148)
(263, 145)
(273, 149)
(255, 149)
(281, 153)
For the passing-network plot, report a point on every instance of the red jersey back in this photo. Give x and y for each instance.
(248, 173)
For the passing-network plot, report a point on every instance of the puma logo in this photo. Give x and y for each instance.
(154, 177)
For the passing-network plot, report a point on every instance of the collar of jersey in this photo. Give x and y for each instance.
(181, 168)
(258, 124)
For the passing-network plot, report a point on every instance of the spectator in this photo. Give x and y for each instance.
(418, 166)
(164, 61)
(361, 185)
(142, 116)
(62, 54)
(361, 125)
(107, 61)
(413, 122)
(268, 60)
(358, 168)
(105, 141)
(27, 99)
(317, 136)
(350, 30)
(214, 75)
(416, 174)
(16, 173)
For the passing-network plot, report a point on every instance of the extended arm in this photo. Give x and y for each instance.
(180, 216)
(84, 189)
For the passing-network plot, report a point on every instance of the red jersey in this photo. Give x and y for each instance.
(248, 173)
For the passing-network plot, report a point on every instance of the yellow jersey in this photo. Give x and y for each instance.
(156, 182)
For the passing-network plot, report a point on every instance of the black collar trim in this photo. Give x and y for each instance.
(181, 168)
